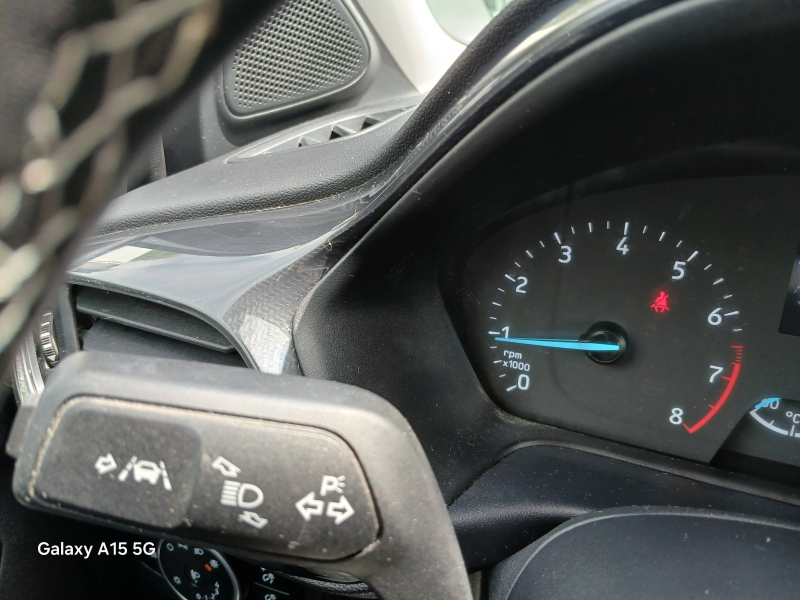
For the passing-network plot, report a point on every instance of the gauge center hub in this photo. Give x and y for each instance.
(607, 333)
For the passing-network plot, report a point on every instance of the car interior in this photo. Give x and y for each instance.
(400, 299)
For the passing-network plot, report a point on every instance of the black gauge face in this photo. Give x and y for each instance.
(771, 430)
(625, 295)
(618, 321)
(780, 417)
(790, 322)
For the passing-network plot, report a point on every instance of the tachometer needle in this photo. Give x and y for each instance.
(563, 344)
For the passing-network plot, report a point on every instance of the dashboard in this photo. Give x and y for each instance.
(588, 303)
(657, 316)
(580, 284)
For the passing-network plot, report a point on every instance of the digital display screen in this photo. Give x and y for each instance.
(790, 321)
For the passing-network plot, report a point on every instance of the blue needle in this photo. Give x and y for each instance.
(562, 344)
(766, 402)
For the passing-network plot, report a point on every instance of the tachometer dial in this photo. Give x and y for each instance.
(624, 324)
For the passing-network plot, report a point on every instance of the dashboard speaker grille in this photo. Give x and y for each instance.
(306, 49)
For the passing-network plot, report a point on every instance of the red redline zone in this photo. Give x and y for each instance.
(724, 397)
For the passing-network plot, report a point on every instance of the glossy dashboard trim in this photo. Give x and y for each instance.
(252, 295)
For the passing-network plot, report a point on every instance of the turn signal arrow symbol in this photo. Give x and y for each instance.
(341, 510)
(309, 506)
(226, 467)
(105, 464)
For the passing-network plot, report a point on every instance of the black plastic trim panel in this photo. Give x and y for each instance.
(150, 316)
(538, 487)
(691, 90)
(505, 56)
(655, 552)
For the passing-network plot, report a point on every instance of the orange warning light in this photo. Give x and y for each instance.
(660, 304)
(208, 567)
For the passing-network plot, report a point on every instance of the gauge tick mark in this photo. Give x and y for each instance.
(695, 253)
(718, 281)
(663, 233)
(728, 388)
(528, 252)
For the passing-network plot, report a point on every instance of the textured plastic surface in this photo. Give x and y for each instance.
(106, 336)
(214, 478)
(221, 188)
(27, 574)
(656, 553)
(416, 554)
(486, 74)
(306, 49)
(534, 489)
(261, 316)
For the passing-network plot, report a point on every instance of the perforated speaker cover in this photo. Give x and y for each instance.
(306, 50)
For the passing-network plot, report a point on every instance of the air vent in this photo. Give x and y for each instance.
(339, 126)
(116, 322)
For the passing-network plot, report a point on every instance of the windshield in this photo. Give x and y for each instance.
(463, 19)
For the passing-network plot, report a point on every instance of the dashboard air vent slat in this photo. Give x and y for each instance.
(320, 132)
(152, 317)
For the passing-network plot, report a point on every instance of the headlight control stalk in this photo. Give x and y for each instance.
(307, 471)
